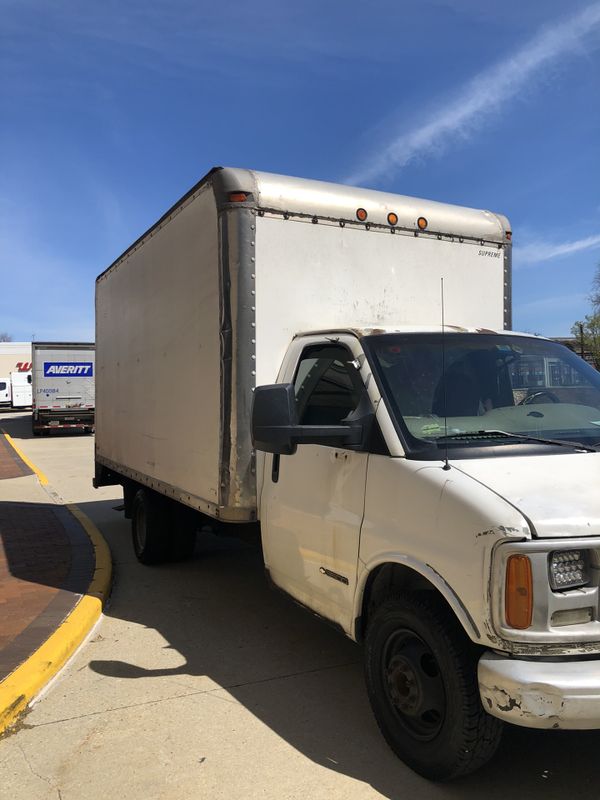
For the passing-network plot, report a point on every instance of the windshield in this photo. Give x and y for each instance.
(493, 383)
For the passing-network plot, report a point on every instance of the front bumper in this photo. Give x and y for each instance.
(541, 694)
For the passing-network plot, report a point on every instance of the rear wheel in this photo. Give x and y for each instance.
(421, 673)
(184, 526)
(162, 530)
(149, 527)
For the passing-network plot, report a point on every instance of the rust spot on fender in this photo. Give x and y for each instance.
(502, 530)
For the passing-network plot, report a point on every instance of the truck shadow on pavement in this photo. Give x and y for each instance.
(19, 427)
(300, 677)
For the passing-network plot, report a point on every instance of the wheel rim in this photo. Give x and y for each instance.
(140, 527)
(414, 685)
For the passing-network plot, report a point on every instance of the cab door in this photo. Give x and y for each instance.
(312, 502)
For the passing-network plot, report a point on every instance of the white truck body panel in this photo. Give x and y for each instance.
(20, 389)
(318, 277)
(157, 314)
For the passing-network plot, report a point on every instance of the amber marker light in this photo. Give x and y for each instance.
(361, 214)
(518, 600)
(392, 219)
(237, 197)
(422, 223)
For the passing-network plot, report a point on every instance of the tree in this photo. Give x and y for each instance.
(595, 294)
(5, 337)
(587, 334)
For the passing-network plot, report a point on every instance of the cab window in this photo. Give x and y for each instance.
(327, 385)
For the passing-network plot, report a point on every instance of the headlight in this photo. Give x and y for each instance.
(568, 569)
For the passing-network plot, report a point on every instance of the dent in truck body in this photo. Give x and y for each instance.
(237, 234)
(541, 694)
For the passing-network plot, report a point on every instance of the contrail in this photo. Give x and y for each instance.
(542, 251)
(483, 96)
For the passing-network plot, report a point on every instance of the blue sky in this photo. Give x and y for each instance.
(112, 110)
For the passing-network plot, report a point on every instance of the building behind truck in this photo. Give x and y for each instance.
(15, 374)
(426, 489)
(63, 385)
(14, 357)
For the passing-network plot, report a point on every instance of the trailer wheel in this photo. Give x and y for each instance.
(183, 537)
(421, 674)
(149, 522)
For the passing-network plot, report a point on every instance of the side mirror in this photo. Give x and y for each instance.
(275, 427)
(274, 416)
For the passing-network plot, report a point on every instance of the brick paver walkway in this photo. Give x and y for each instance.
(46, 563)
(11, 466)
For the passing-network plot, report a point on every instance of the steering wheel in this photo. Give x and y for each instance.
(531, 398)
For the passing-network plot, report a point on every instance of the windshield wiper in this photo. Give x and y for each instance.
(524, 437)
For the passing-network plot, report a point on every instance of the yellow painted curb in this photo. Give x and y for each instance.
(21, 686)
(42, 478)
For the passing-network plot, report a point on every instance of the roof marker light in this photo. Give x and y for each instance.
(237, 197)
(361, 214)
(392, 219)
(422, 223)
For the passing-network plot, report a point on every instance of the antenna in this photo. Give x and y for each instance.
(446, 464)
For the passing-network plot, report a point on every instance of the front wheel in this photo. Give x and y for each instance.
(421, 673)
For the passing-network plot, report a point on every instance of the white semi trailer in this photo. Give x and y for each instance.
(63, 386)
(429, 489)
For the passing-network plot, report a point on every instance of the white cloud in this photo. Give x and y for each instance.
(556, 303)
(483, 96)
(535, 252)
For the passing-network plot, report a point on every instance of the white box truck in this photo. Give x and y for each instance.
(21, 394)
(63, 378)
(5, 391)
(429, 488)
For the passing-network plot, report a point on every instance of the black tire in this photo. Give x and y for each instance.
(149, 527)
(421, 673)
(182, 545)
(183, 538)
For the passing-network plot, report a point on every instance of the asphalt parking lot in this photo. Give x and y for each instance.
(200, 682)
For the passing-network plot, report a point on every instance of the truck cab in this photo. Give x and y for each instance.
(428, 491)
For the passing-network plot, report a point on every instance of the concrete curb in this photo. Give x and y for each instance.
(19, 688)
